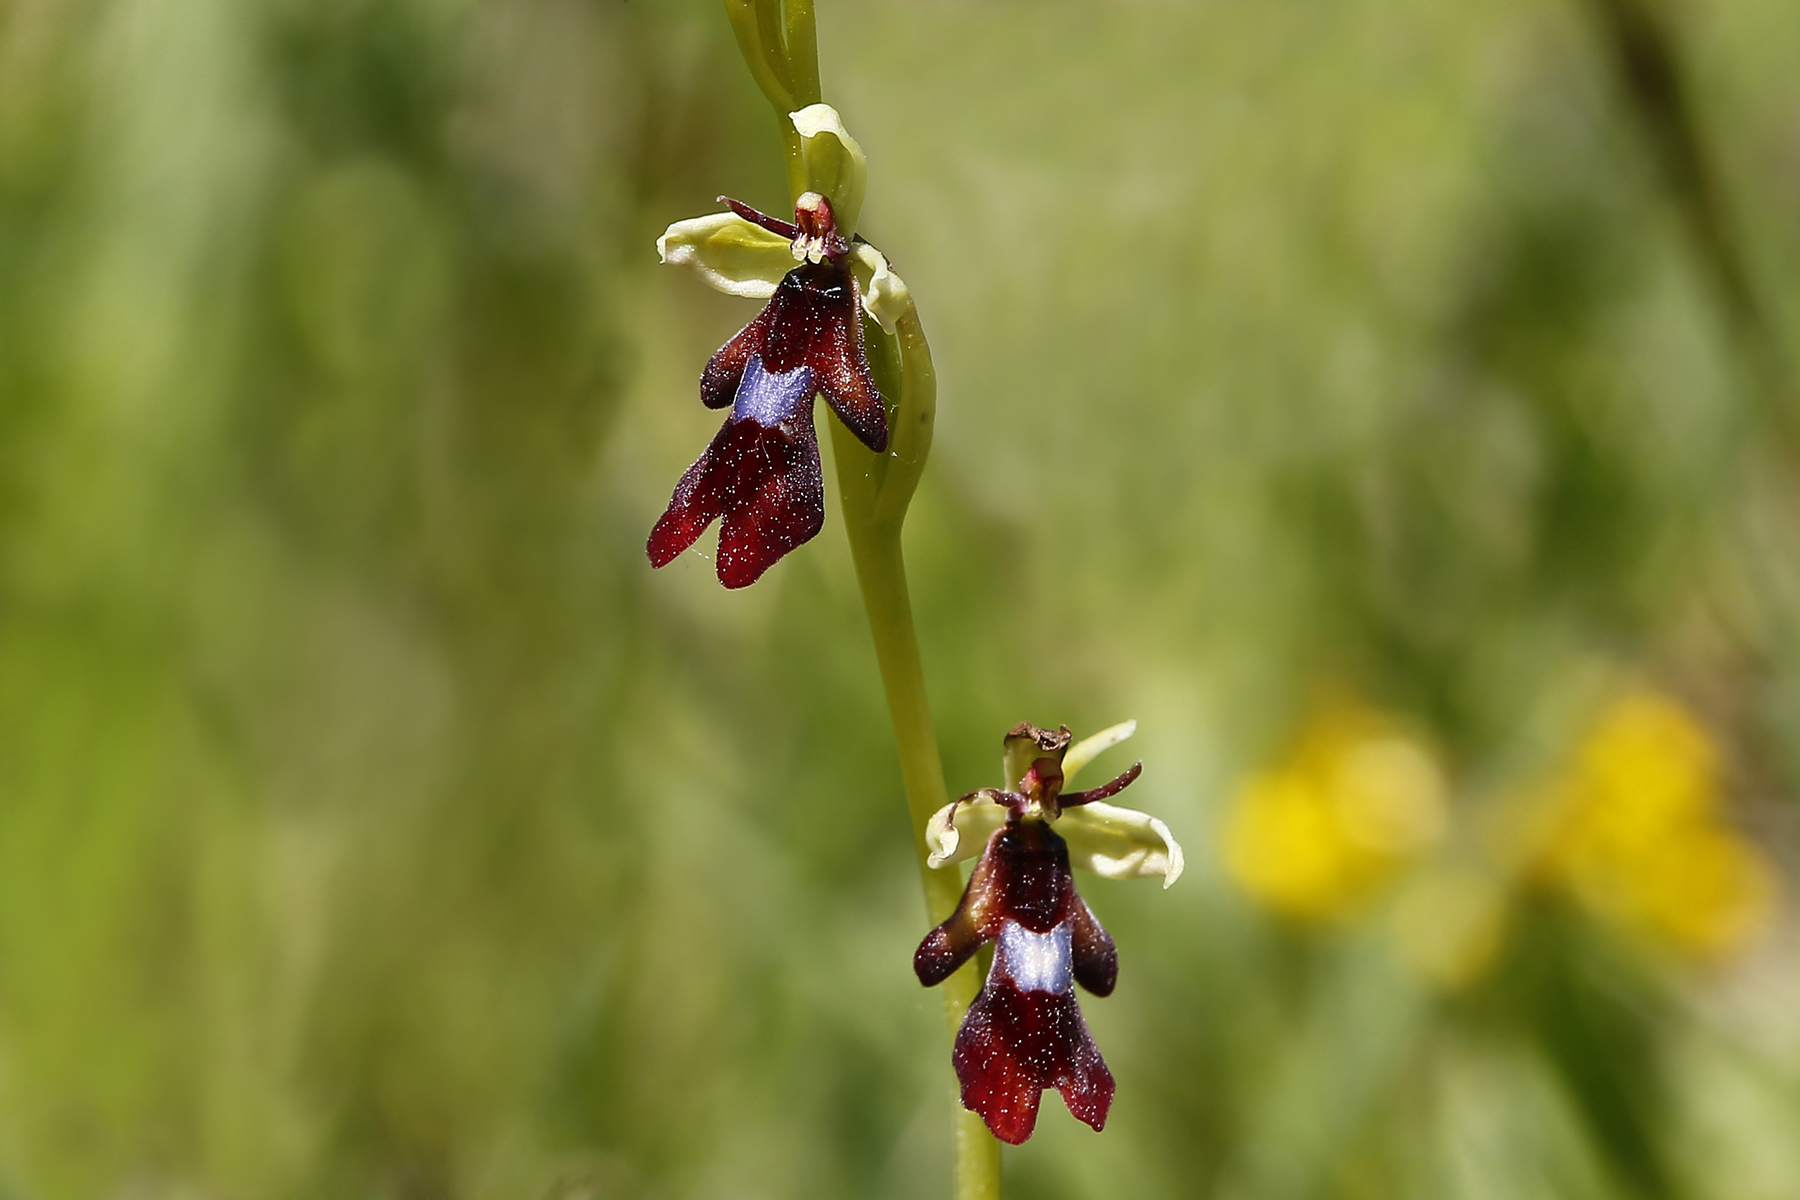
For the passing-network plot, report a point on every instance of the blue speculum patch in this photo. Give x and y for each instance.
(769, 398)
(1038, 962)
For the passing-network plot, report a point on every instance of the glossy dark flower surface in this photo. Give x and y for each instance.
(1025, 1031)
(760, 476)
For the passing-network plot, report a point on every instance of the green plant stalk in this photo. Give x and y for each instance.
(768, 64)
(779, 42)
(874, 490)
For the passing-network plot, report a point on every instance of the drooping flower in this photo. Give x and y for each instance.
(760, 476)
(1025, 1031)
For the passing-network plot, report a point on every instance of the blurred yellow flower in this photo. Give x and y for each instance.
(1637, 832)
(1321, 833)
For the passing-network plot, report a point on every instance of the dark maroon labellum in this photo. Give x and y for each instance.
(761, 472)
(1025, 1032)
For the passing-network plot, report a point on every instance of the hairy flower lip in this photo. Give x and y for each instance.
(760, 475)
(769, 398)
(761, 471)
(1025, 1033)
(811, 321)
(1018, 1039)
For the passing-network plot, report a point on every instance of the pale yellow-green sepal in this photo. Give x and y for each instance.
(834, 163)
(884, 293)
(729, 253)
(1120, 843)
(1113, 842)
(961, 828)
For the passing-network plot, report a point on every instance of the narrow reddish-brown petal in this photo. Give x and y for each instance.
(1096, 958)
(774, 225)
(1104, 791)
(725, 369)
(1014, 802)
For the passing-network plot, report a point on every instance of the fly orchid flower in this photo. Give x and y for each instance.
(1025, 1032)
(760, 475)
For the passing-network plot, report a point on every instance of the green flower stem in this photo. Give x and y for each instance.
(882, 574)
(779, 42)
(799, 34)
(780, 45)
(875, 490)
(767, 62)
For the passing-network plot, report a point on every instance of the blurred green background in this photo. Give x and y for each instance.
(1386, 402)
